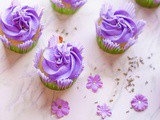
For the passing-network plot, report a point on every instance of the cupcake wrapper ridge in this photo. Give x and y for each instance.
(21, 48)
(109, 47)
(63, 10)
(62, 84)
(57, 84)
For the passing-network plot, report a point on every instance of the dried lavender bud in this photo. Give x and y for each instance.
(67, 34)
(63, 31)
(125, 74)
(117, 79)
(146, 82)
(96, 102)
(127, 111)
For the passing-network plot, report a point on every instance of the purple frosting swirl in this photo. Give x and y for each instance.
(62, 61)
(119, 26)
(20, 23)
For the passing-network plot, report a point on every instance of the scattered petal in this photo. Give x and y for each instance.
(103, 111)
(94, 83)
(60, 108)
(139, 103)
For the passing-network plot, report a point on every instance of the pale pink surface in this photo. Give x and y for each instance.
(23, 97)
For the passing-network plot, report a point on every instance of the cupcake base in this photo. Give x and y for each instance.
(53, 86)
(105, 49)
(147, 3)
(19, 50)
(63, 10)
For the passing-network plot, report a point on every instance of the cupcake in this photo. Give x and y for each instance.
(59, 64)
(117, 30)
(149, 3)
(20, 27)
(67, 6)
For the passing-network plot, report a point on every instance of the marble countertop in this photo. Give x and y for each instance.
(23, 97)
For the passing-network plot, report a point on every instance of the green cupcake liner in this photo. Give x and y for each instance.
(63, 10)
(21, 51)
(53, 86)
(105, 49)
(147, 3)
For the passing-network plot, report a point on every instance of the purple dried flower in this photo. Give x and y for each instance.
(60, 108)
(94, 83)
(103, 111)
(139, 103)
